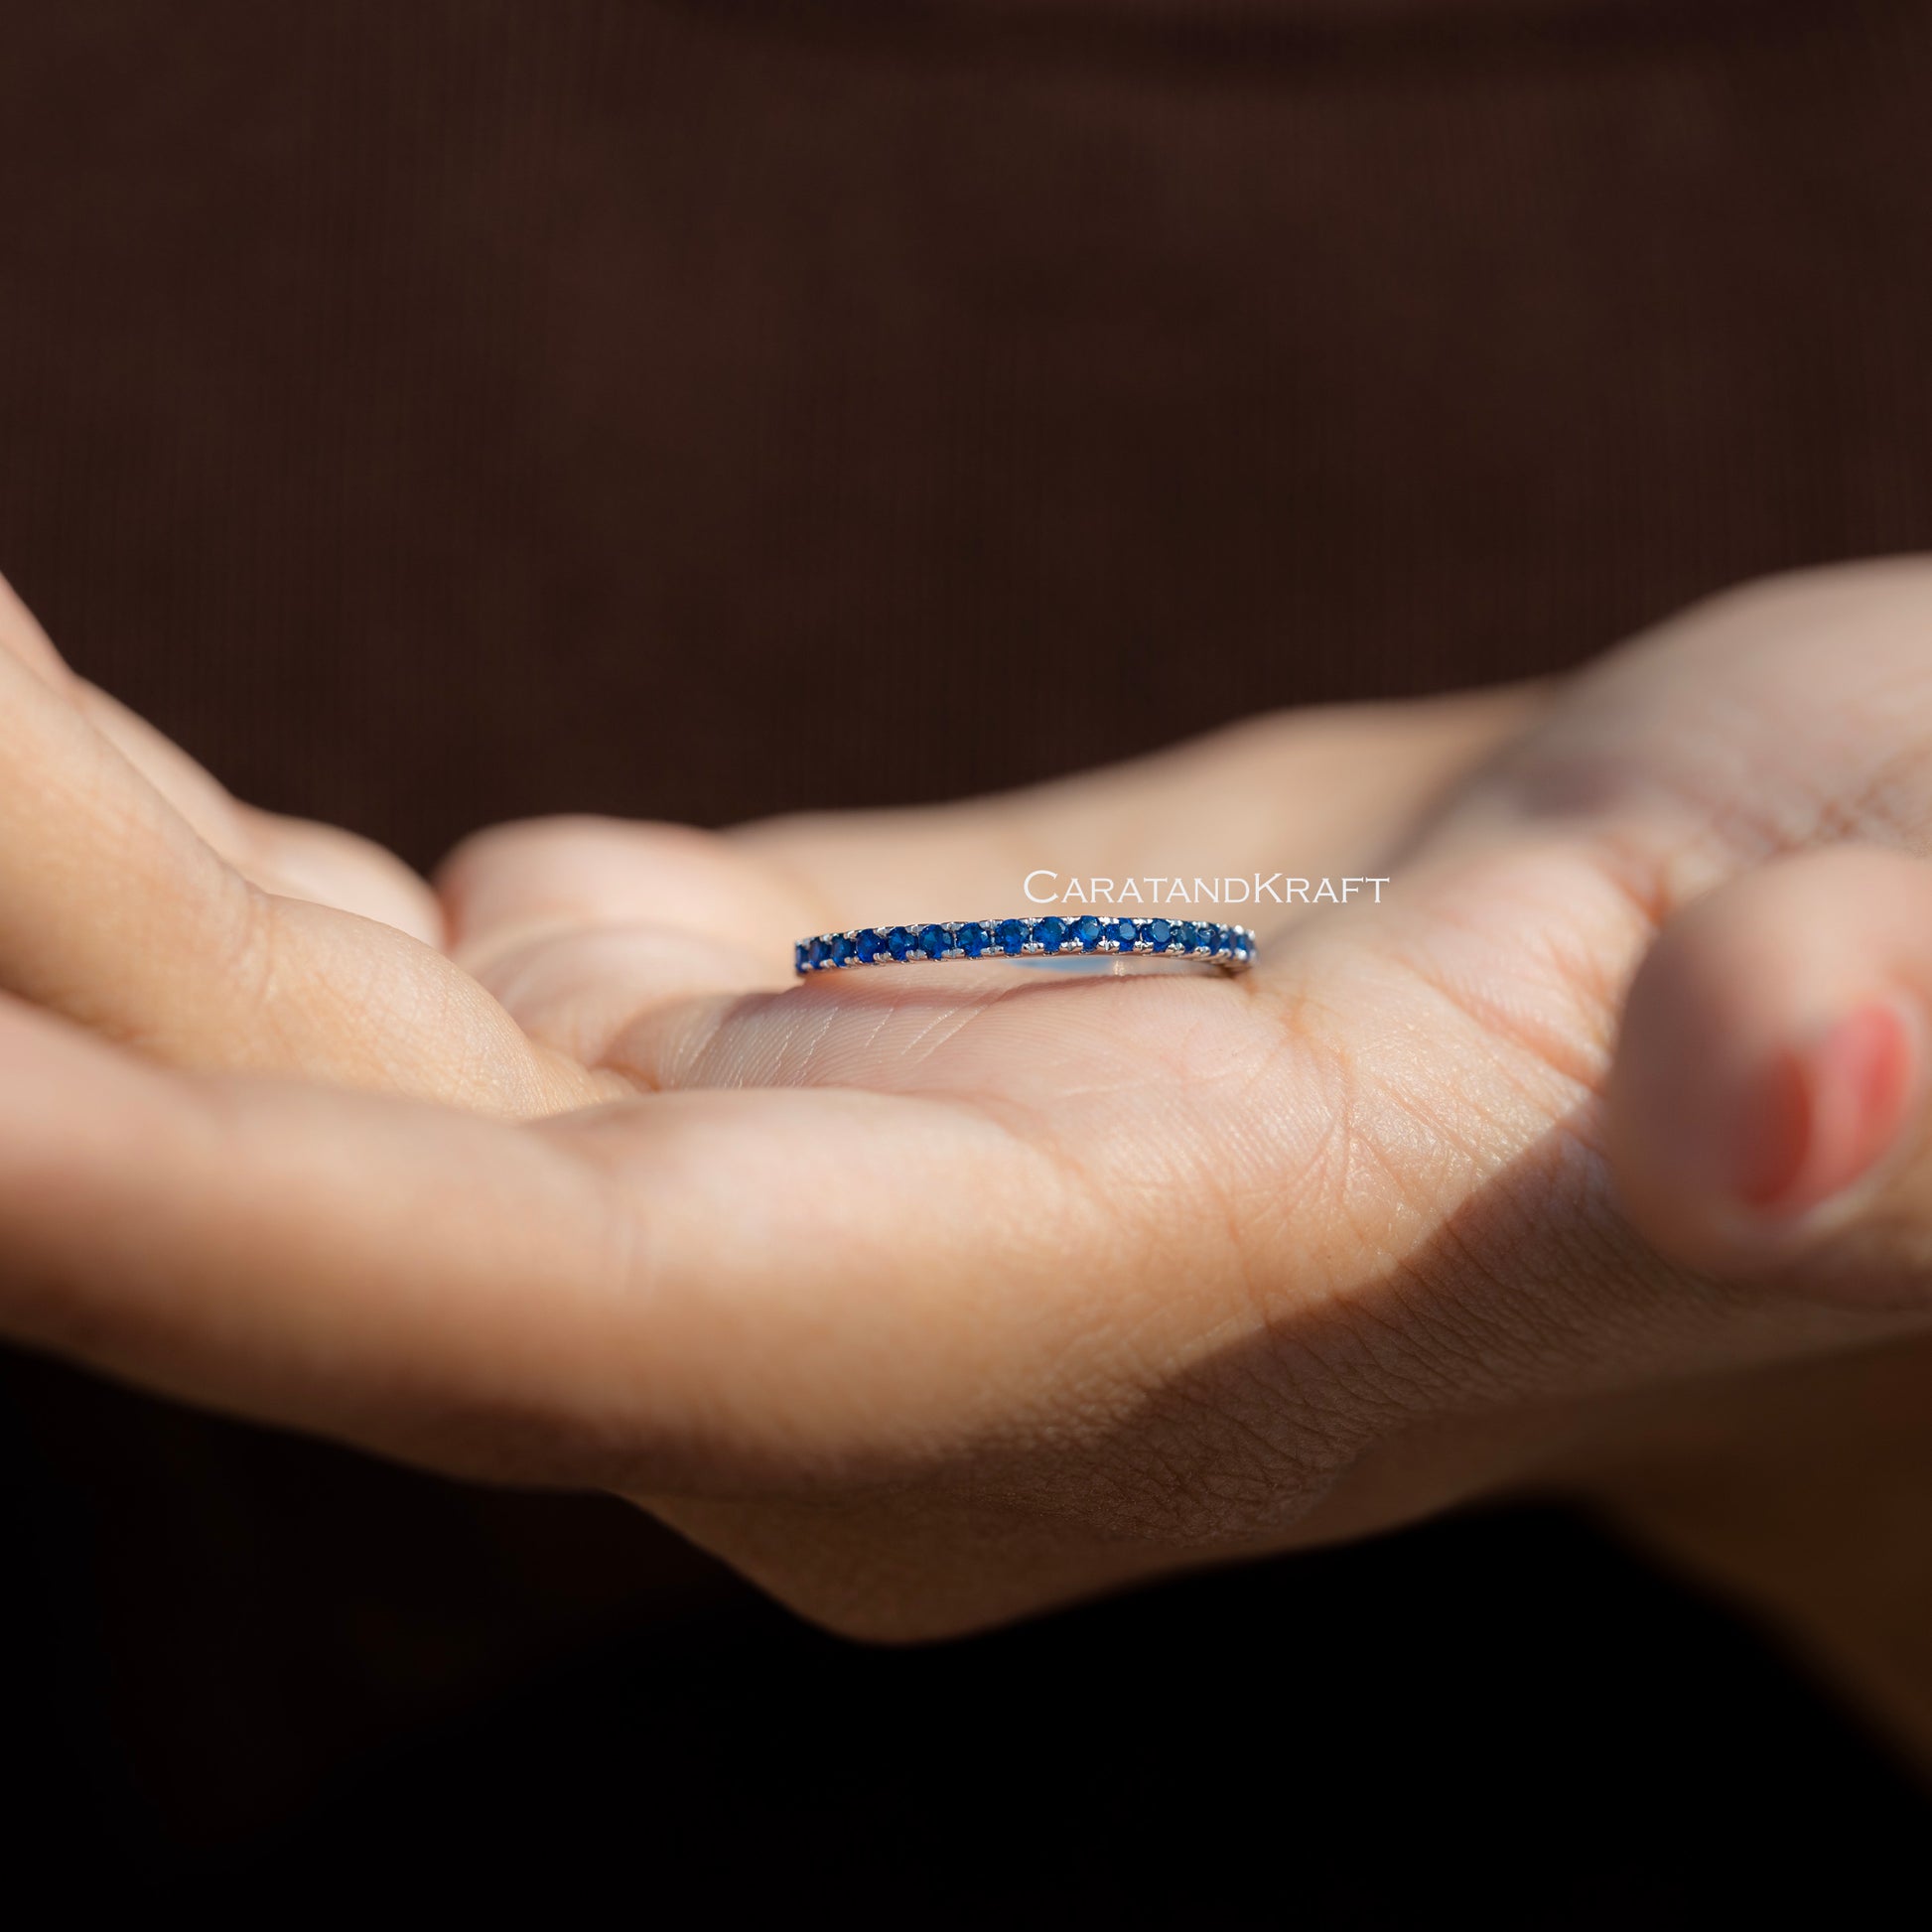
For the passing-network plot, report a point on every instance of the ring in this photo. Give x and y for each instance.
(1047, 941)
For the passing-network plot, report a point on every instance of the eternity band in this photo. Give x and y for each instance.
(1042, 941)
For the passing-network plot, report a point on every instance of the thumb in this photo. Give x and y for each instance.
(1769, 1099)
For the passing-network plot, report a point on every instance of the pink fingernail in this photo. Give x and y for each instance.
(1826, 1113)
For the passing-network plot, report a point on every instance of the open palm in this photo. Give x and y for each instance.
(931, 1297)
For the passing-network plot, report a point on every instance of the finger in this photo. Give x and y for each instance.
(290, 857)
(1768, 1107)
(23, 638)
(116, 913)
(513, 886)
(286, 1253)
(667, 1293)
(110, 908)
(583, 990)
(581, 926)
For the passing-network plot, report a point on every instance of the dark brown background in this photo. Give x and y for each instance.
(432, 412)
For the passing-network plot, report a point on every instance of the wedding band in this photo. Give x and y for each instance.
(1047, 941)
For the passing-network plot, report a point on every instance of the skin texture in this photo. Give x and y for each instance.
(934, 1299)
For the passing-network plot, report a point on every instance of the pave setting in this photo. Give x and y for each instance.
(1229, 947)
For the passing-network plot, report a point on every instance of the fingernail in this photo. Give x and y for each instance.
(1826, 1113)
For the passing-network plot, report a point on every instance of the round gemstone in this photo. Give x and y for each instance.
(1159, 932)
(1189, 934)
(817, 953)
(801, 957)
(971, 938)
(1014, 934)
(935, 940)
(1050, 933)
(841, 949)
(1214, 938)
(899, 942)
(1087, 931)
(868, 946)
(1126, 931)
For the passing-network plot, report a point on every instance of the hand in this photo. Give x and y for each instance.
(928, 1305)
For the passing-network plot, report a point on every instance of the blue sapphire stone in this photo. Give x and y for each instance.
(978, 938)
